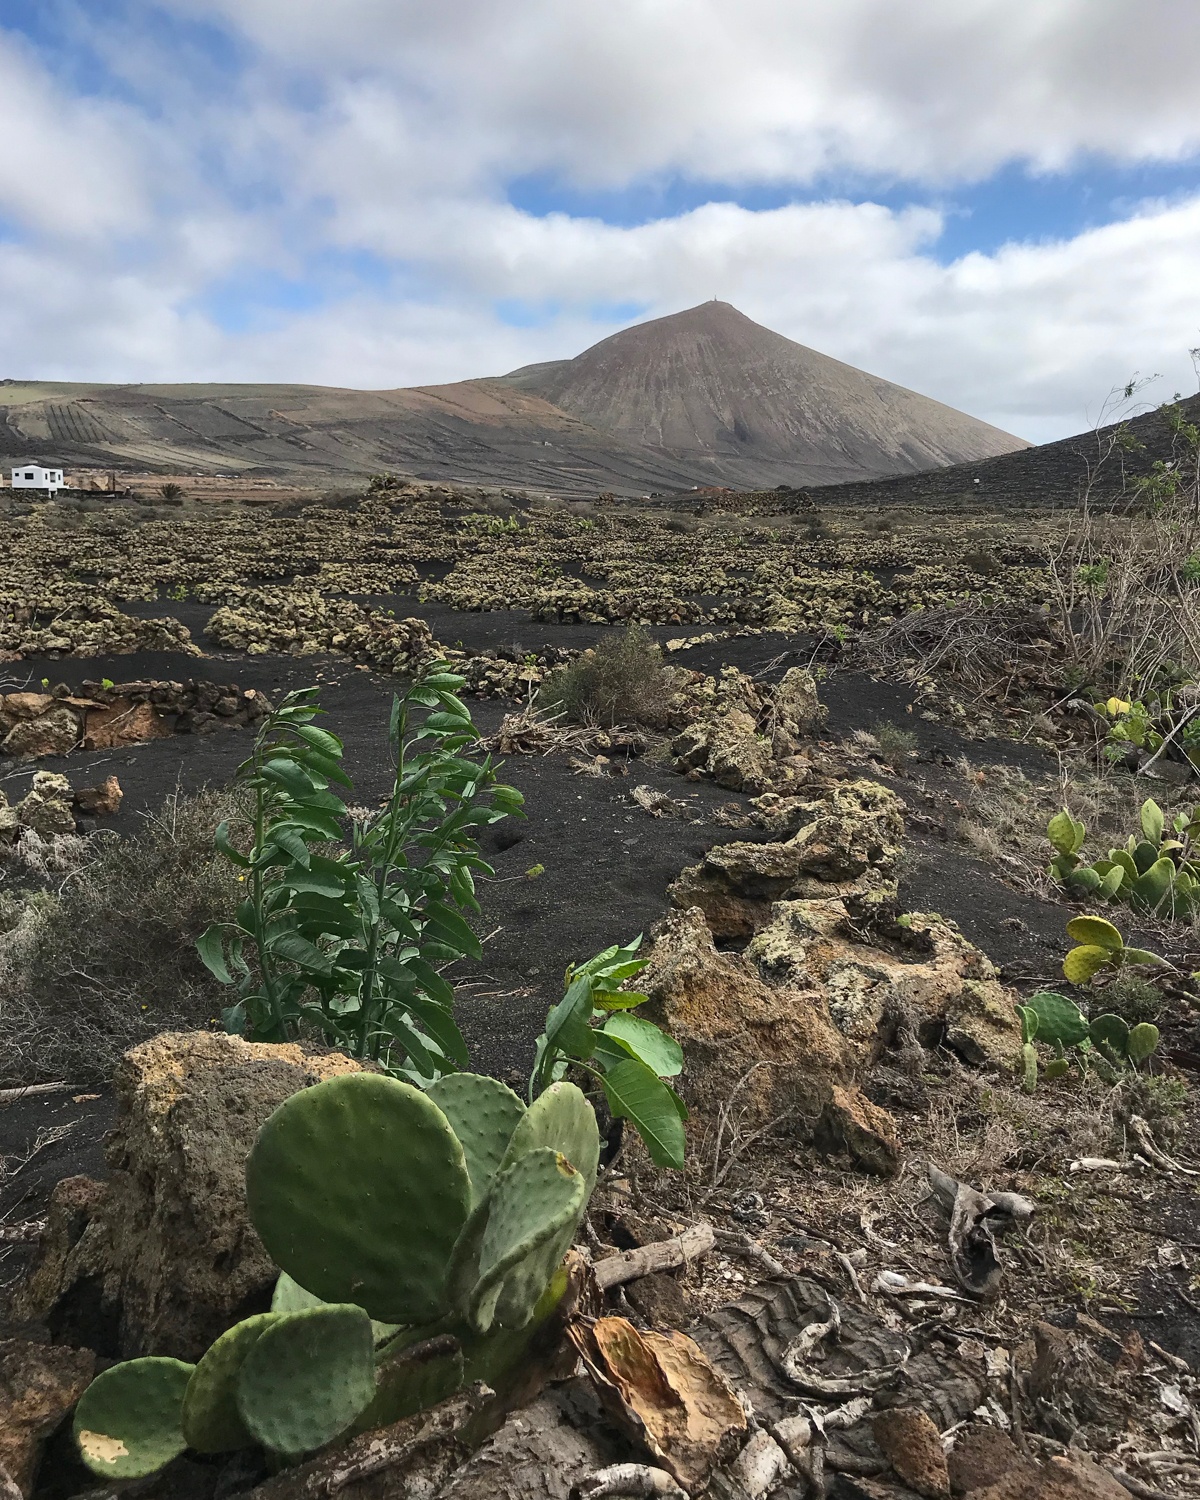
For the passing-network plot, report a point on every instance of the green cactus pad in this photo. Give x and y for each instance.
(412, 1380)
(211, 1421)
(1029, 1068)
(1059, 1021)
(1058, 1067)
(533, 1213)
(290, 1296)
(483, 1114)
(1096, 931)
(1143, 1039)
(1111, 1032)
(1152, 888)
(127, 1422)
(1082, 962)
(562, 1119)
(307, 1377)
(359, 1188)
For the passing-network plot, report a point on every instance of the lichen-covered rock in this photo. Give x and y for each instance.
(847, 844)
(56, 731)
(768, 1050)
(167, 1258)
(100, 801)
(46, 807)
(39, 1384)
(795, 711)
(920, 967)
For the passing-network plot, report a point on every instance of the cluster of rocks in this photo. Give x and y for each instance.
(103, 632)
(302, 622)
(103, 715)
(830, 983)
(505, 672)
(50, 807)
(745, 735)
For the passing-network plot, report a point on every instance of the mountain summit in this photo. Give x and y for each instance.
(712, 387)
(702, 397)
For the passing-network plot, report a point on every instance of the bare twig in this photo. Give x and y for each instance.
(748, 1249)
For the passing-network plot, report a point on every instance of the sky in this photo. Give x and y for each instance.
(994, 203)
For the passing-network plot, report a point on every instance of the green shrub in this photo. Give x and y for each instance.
(895, 743)
(983, 562)
(350, 942)
(620, 681)
(1133, 998)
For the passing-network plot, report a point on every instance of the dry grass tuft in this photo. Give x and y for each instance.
(109, 960)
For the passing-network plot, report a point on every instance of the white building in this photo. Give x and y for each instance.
(37, 477)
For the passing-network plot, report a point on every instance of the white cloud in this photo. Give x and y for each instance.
(389, 127)
(766, 89)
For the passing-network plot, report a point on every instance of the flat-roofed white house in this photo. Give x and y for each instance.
(37, 477)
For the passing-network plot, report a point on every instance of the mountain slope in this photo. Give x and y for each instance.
(703, 397)
(752, 407)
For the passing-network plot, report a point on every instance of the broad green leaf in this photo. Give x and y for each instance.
(452, 929)
(656, 1049)
(635, 1092)
(1152, 821)
(298, 950)
(290, 776)
(222, 840)
(320, 739)
(210, 945)
(289, 838)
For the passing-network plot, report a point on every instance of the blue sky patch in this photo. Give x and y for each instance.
(1012, 205)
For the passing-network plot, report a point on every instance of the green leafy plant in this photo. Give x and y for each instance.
(1154, 872)
(396, 1217)
(593, 1028)
(350, 941)
(1057, 1021)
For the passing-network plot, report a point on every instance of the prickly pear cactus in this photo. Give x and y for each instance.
(1059, 1020)
(307, 1377)
(210, 1418)
(410, 1380)
(483, 1114)
(534, 1211)
(359, 1188)
(1143, 1040)
(128, 1421)
(1110, 1032)
(562, 1119)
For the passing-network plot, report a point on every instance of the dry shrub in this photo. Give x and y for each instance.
(620, 681)
(987, 648)
(109, 960)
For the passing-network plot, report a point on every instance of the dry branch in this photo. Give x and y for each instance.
(664, 1255)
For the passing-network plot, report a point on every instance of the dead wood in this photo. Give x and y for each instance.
(663, 1255)
(633, 1480)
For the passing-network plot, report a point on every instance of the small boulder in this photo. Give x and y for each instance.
(910, 1442)
(773, 1051)
(46, 807)
(103, 801)
(166, 1257)
(39, 1384)
(55, 732)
